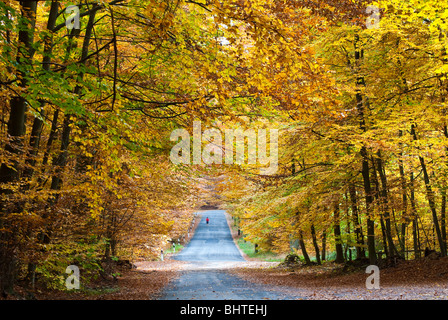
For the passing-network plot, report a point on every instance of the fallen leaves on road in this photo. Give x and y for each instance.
(420, 279)
(423, 279)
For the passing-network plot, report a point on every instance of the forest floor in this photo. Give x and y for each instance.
(132, 284)
(139, 283)
(423, 279)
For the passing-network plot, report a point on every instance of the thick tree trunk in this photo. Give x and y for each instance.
(17, 116)
(10, 172)
(303, 248)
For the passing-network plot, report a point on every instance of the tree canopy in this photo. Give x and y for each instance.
(356, 89)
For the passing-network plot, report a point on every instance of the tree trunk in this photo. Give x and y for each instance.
(378, 200)
(414, 219)
(350, 242)
(324, 246)
(302, 247)
(360, 252)
(61, 160)
(38, 122)
(16, 130)
(17, 116)
(54, 123)
(443, 205)
(404, 211)
(385, 203)
(337, 236)
(36, 130)
(316, 246)
(431, 200)
(364, 155)
(443, 215)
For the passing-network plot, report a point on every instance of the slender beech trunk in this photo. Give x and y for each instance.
(431, 200)
(404, 89)
(360, 252)
(443, 215)
(444, 86)
(337, 235)
(324, 246)
(404, 211)
(443, 205)
(364, 155)
(384, 197)
(61, 159)
(350, 242)
(44, 235)
(376, 186)
(36, 130)
(37, 127)
(415, 233)
(54, 123)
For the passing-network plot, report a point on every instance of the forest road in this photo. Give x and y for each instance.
(210, 254)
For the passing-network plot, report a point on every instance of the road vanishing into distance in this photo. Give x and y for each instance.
(210, 254)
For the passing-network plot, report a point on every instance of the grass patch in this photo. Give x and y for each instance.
(249, 249)
(171, 250)
(100, 291)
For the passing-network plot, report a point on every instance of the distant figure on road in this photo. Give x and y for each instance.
(207, 220)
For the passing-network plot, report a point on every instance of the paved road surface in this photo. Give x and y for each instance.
(211, 242)
(211, 251)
